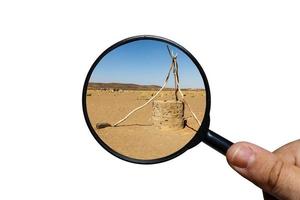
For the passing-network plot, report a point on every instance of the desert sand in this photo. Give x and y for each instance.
(137, 137)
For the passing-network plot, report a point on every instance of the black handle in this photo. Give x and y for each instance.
(217, 142)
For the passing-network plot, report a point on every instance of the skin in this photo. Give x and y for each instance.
(276, 173)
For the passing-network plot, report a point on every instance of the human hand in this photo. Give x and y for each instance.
(277, 173)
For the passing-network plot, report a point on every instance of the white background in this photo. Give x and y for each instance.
(249, 51)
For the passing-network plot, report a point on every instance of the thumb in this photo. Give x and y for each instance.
(265, 170)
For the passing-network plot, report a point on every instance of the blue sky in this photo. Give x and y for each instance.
(145, 62)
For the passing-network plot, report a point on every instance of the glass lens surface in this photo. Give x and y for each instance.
(145, 99)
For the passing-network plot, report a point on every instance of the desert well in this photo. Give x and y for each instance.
(168, 114)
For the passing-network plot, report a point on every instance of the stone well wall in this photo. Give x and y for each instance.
(168, 115)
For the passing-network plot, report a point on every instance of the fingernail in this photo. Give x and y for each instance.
(242, 156)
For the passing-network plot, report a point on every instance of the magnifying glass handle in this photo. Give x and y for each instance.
(217, 142)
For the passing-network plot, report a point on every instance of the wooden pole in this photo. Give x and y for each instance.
(174, 73)
(176, 77)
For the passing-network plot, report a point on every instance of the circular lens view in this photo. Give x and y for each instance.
(145, 99)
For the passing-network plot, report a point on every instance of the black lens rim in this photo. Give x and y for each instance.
(197, 137)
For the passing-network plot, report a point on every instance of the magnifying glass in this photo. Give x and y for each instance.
(146, 100)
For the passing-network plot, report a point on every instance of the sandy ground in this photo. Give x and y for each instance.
(136, 137)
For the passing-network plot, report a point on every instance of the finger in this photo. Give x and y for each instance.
(290, 153)
(265, 169)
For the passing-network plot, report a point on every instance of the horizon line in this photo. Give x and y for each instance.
(143, 85)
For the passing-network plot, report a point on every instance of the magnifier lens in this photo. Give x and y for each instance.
(145, 99)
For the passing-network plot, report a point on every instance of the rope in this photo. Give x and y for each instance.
(140, 107)
(189, 107)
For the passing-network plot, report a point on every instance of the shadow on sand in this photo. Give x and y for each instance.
(125, 125)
